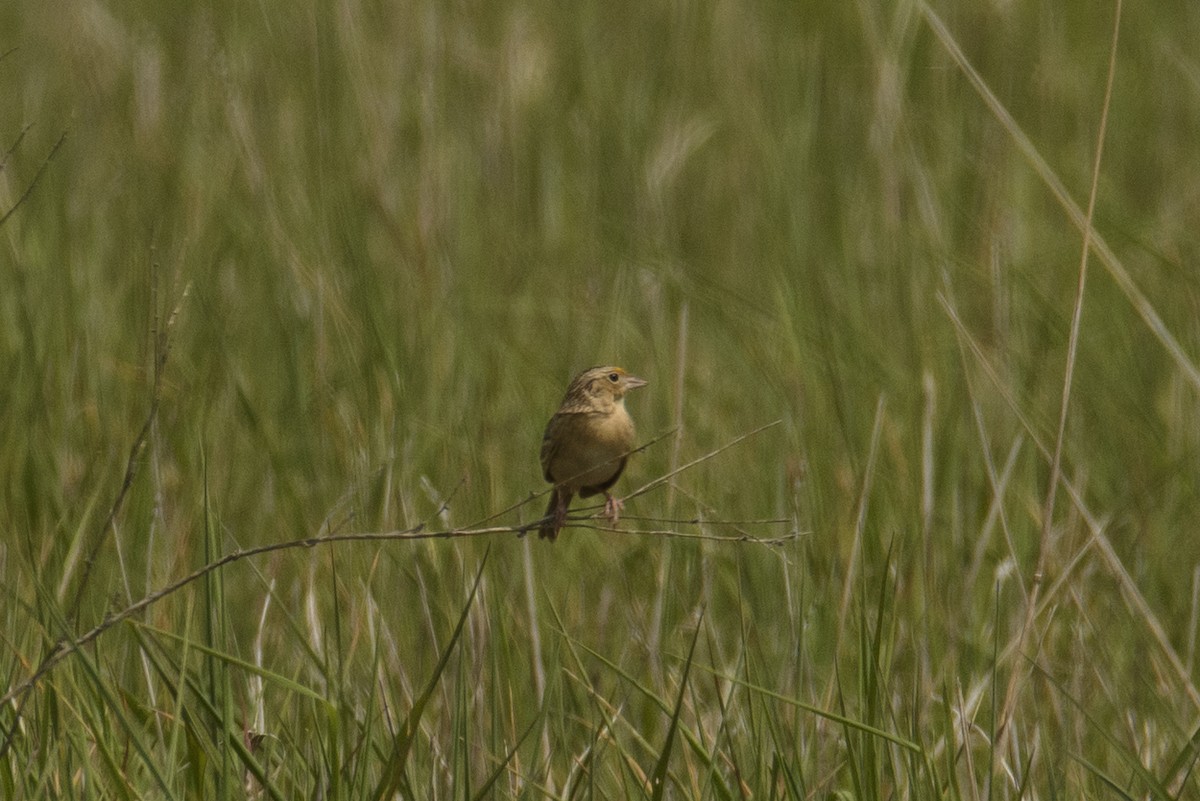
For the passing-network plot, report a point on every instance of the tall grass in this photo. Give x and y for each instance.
(300, 274)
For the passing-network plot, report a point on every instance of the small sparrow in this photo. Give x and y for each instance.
(587, 442)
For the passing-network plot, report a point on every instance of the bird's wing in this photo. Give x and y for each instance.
(550, 444)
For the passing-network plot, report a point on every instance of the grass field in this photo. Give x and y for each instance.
(289, 291)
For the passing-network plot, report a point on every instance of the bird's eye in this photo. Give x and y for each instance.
(613, 377)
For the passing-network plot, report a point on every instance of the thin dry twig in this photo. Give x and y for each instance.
(657, 482)
(162, 348)
(16, 142)
(696, 521)
(1099, 540)
(1016, 678)
(675, 534)
(677, 413)
(56, 652)
(533, 496)
(1099, 246)
(860, 522)
(36, 177)
(642, 490)
(64, 648)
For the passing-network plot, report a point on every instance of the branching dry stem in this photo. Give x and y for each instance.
(64, 648)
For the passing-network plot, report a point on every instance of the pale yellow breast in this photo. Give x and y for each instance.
(588, 447)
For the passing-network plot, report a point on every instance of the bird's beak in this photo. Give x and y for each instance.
(633, 382)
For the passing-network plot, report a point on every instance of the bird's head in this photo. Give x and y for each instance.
(601, 386)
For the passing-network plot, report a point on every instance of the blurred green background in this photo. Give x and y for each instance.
(379, 238)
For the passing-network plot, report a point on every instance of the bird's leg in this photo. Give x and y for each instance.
(613, 508)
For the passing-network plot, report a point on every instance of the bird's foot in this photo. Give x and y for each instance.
(613, 508)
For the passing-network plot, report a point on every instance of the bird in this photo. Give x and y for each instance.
(587, 442)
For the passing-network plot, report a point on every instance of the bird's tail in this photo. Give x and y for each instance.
(553, 520)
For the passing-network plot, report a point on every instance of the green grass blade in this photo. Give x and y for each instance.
(1187, 757)
(1102, 776)
(199, 744)
(394, 773)
(283, 682)
(1129, 758)
(486, 788)
(658, 779)
(694, 742)
(816, 710)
